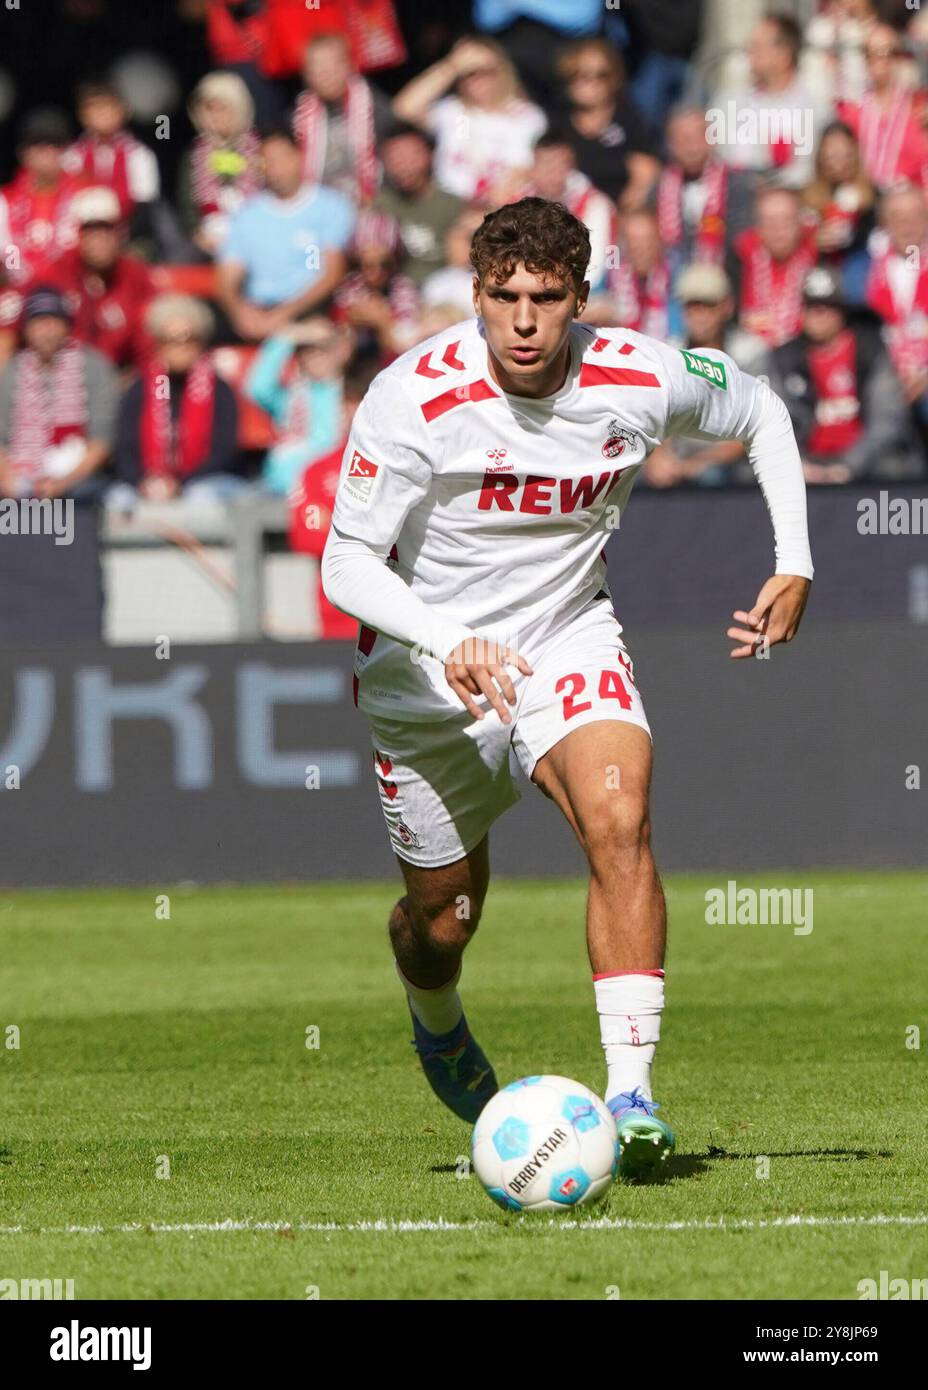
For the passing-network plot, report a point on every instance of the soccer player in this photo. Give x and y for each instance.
(485, 470)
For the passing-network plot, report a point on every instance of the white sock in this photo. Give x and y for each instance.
(629, 1006)
(438, 1010)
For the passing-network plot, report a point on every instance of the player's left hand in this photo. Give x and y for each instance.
(775, 616)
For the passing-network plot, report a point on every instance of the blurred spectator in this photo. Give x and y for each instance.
(842, 198)
(484, 131)
(222, 167)
(338, 120)
(107, 153)
(453, 287)
(638, 294)
(533, 34)
(709, 317)
(555, 176)
(36, 225)
(312, 502)
(176, 433)
(284, 254)
(57, 407)
(888, 119)
(663, 34)
(608, 136)
(375, 298)
(773, 123)
(305, 403)
(840, 389)
(701, 204)
(772, 260)
(107, 290)
(898, 291)
(834, 60)
(705, 293)
(424, 212)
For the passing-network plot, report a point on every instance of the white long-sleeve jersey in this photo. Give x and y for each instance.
(463, 510)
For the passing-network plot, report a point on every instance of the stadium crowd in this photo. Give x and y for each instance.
(198, 326)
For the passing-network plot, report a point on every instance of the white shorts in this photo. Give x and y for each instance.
(444, 782)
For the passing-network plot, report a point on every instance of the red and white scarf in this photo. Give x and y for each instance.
(710, 234)
(771, 291)
(50, 406)
(210, 182)
(882, 135)
(641, 301)
(310, 122)
(94, 161)
(177, 448)
(906, 324)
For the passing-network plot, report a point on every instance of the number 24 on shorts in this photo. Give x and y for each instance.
(611, 687)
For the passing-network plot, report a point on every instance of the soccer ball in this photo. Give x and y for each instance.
(545, 1143)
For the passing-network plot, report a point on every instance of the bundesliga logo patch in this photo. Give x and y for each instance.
(361, 476)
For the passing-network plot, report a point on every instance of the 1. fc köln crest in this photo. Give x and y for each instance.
(618, 440)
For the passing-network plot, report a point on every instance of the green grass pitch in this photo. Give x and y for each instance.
(148, 1046)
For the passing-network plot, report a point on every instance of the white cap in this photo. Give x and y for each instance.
(96, 205)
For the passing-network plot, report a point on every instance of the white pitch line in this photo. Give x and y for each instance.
(556, 1223)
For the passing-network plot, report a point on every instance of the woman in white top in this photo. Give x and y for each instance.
(484, 129)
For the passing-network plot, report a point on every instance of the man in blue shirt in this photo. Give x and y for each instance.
(285, 251)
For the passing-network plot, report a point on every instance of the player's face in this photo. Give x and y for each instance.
(527, 320)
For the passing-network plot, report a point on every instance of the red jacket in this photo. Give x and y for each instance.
(108, 314)
(310, 519)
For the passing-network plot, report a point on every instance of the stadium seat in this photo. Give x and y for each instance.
(199, 280)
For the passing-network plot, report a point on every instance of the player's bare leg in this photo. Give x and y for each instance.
(599, 775)
(429, 929)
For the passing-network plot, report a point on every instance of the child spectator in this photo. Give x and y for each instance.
(379, 303)
(177, 422)
(313, 500)
(222, 167)
(303, 397)
(107, 153)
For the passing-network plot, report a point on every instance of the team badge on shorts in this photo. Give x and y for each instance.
(408, 837)
(618, 441)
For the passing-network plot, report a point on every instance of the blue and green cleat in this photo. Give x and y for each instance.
(645, 1142)
(455, 1068)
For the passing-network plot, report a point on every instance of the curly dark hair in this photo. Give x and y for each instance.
(544, 236)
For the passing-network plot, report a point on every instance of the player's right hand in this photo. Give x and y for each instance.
(477, 666)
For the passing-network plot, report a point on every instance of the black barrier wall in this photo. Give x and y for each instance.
(251, 763)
